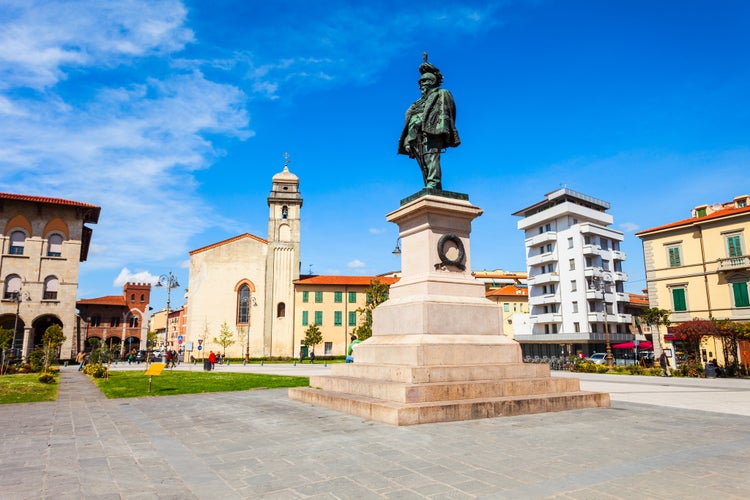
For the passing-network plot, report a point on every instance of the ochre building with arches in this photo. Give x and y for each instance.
(44, 240)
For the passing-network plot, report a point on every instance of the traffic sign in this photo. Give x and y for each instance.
(200, 347)
(179, 338)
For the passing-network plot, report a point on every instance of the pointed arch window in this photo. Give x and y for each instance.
(133, 322)
(17, 242)
(54, 245)
(51, 284)
(243, 305)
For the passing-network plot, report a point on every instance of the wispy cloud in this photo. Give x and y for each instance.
(629, 227)
(355, 264)
(375, 230)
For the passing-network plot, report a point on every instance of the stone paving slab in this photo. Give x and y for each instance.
(259, 444)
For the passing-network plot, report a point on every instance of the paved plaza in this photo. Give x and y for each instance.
(662, 438)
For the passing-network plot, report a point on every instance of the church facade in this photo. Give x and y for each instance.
(245, 284)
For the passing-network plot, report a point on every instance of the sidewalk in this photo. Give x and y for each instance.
(259, 444)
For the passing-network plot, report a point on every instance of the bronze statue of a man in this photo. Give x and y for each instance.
(430, 125)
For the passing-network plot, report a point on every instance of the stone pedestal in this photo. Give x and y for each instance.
(437, 352)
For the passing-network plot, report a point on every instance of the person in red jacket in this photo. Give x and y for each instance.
(212, 359)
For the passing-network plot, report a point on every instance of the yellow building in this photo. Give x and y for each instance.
(331, 302)
(512, 299)
(699, 267)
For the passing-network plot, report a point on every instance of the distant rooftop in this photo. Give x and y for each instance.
(562, 195)
(701, 213)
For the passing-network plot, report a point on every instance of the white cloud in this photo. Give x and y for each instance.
(127, 276)
(629, 227)
(354, 264)
(374, 230)
(41, 40)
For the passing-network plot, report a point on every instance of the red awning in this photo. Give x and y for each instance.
(644, 344)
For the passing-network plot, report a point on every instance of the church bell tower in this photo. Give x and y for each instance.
(282, 262)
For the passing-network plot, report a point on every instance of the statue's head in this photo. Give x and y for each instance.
(427, 81)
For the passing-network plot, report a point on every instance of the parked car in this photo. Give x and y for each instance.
(598, 358)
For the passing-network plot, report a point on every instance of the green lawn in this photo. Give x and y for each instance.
(134, 384)
(25, 388)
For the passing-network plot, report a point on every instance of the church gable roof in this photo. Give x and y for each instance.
(228, 241)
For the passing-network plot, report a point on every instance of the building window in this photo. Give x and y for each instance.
(734, 246)
(280, 310)
(678, 299)
(741, 298)
(132, 297)
(701, 212)
(572, 263)
(318, 297)
(319, 318)
(573, 285)
(243, 305)
(54, 245)
(12, 286)
(604, 243)
(352, 297)
(550, 247)
(305, 296)
(338, 297)
(337, 318)
(577, 327)
(575, 307)
(143, 298)
(570, 242)
(132, 322)
(352, 318)
(95, 320)
(50, 288)
(17, 242)
(115, 321)
(305, 319)
(548, 227)
(506, 307)
(284, 212)
(328, 348)
(673, 253)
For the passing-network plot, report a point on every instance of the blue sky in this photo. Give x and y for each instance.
(174, 115)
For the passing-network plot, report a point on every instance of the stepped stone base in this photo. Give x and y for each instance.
(416, 379)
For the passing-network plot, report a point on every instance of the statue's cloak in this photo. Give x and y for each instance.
(439, 119)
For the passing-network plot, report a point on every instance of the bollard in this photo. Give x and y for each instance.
(295, 363)
(325, 364)
(261, 362)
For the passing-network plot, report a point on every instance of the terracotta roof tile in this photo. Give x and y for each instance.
(230, 240)
(510, 290)
(724, 212)
(637, 298)
(92, 215)
(344, 280)
(109, 300)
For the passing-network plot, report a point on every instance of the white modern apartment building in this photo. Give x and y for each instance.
(575, 277)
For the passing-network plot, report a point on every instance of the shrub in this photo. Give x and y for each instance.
(53, 370)
(690, 369)
(36, 360)
(96, 370)
(47, 378)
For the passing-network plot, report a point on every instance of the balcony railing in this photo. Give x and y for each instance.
(541, 238)
(541, 279)
(591, 250)
(541, 259)
(546, 318)
(734, 263)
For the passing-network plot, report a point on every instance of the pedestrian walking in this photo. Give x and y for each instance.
(664, 364)
(80, 359)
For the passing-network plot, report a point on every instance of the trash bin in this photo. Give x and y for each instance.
(710, 370)
(206, 365)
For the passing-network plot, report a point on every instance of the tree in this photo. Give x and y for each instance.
(6, 338)
(376, 294)
(313, 336)
(653, 316)
(730, 333)
(202, 338)
(691, 332)
(52, 340)
(225, 338)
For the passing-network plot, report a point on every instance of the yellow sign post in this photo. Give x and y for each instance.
(154, 370)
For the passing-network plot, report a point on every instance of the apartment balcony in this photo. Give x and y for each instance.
(540, 300)
(618, 255)
(543, 279)
(589, 228)
(609, 297)
(546, 318)
(541, 238)
(612, 318)
(591, 250)
(540, 259)
(734, 263)
(620, 276)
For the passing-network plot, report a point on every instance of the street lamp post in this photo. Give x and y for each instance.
(169, 281)
(601, 280)
(246, 302)
(19, 297)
